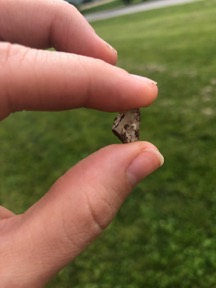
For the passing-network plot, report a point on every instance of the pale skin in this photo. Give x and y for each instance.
(35, 245)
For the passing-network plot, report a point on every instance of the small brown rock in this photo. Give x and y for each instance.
(126, 126)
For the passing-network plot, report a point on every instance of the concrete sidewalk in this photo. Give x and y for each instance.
(154, 4)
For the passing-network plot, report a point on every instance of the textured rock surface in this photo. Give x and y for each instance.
(126, 126)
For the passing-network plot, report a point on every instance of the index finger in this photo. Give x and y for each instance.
(44, 80)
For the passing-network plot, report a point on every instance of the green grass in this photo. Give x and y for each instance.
(164, 235)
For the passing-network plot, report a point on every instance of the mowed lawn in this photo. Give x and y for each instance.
(165, 234)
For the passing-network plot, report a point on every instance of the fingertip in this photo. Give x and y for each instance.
(112, 53)
(145, 163)
(150, 88)
(136, 91)
(105, 51)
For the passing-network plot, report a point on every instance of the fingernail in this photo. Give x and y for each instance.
(144, 79)
(144, 164)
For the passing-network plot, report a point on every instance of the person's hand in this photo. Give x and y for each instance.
(37, 244)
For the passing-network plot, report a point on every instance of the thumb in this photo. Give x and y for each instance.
(81, 204)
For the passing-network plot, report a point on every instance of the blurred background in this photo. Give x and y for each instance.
(164, 234)
(101, 5)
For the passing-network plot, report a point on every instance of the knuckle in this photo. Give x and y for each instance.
(10, 52)
(100, 212)
(5, 52)
(92, 71)
(11, 59)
